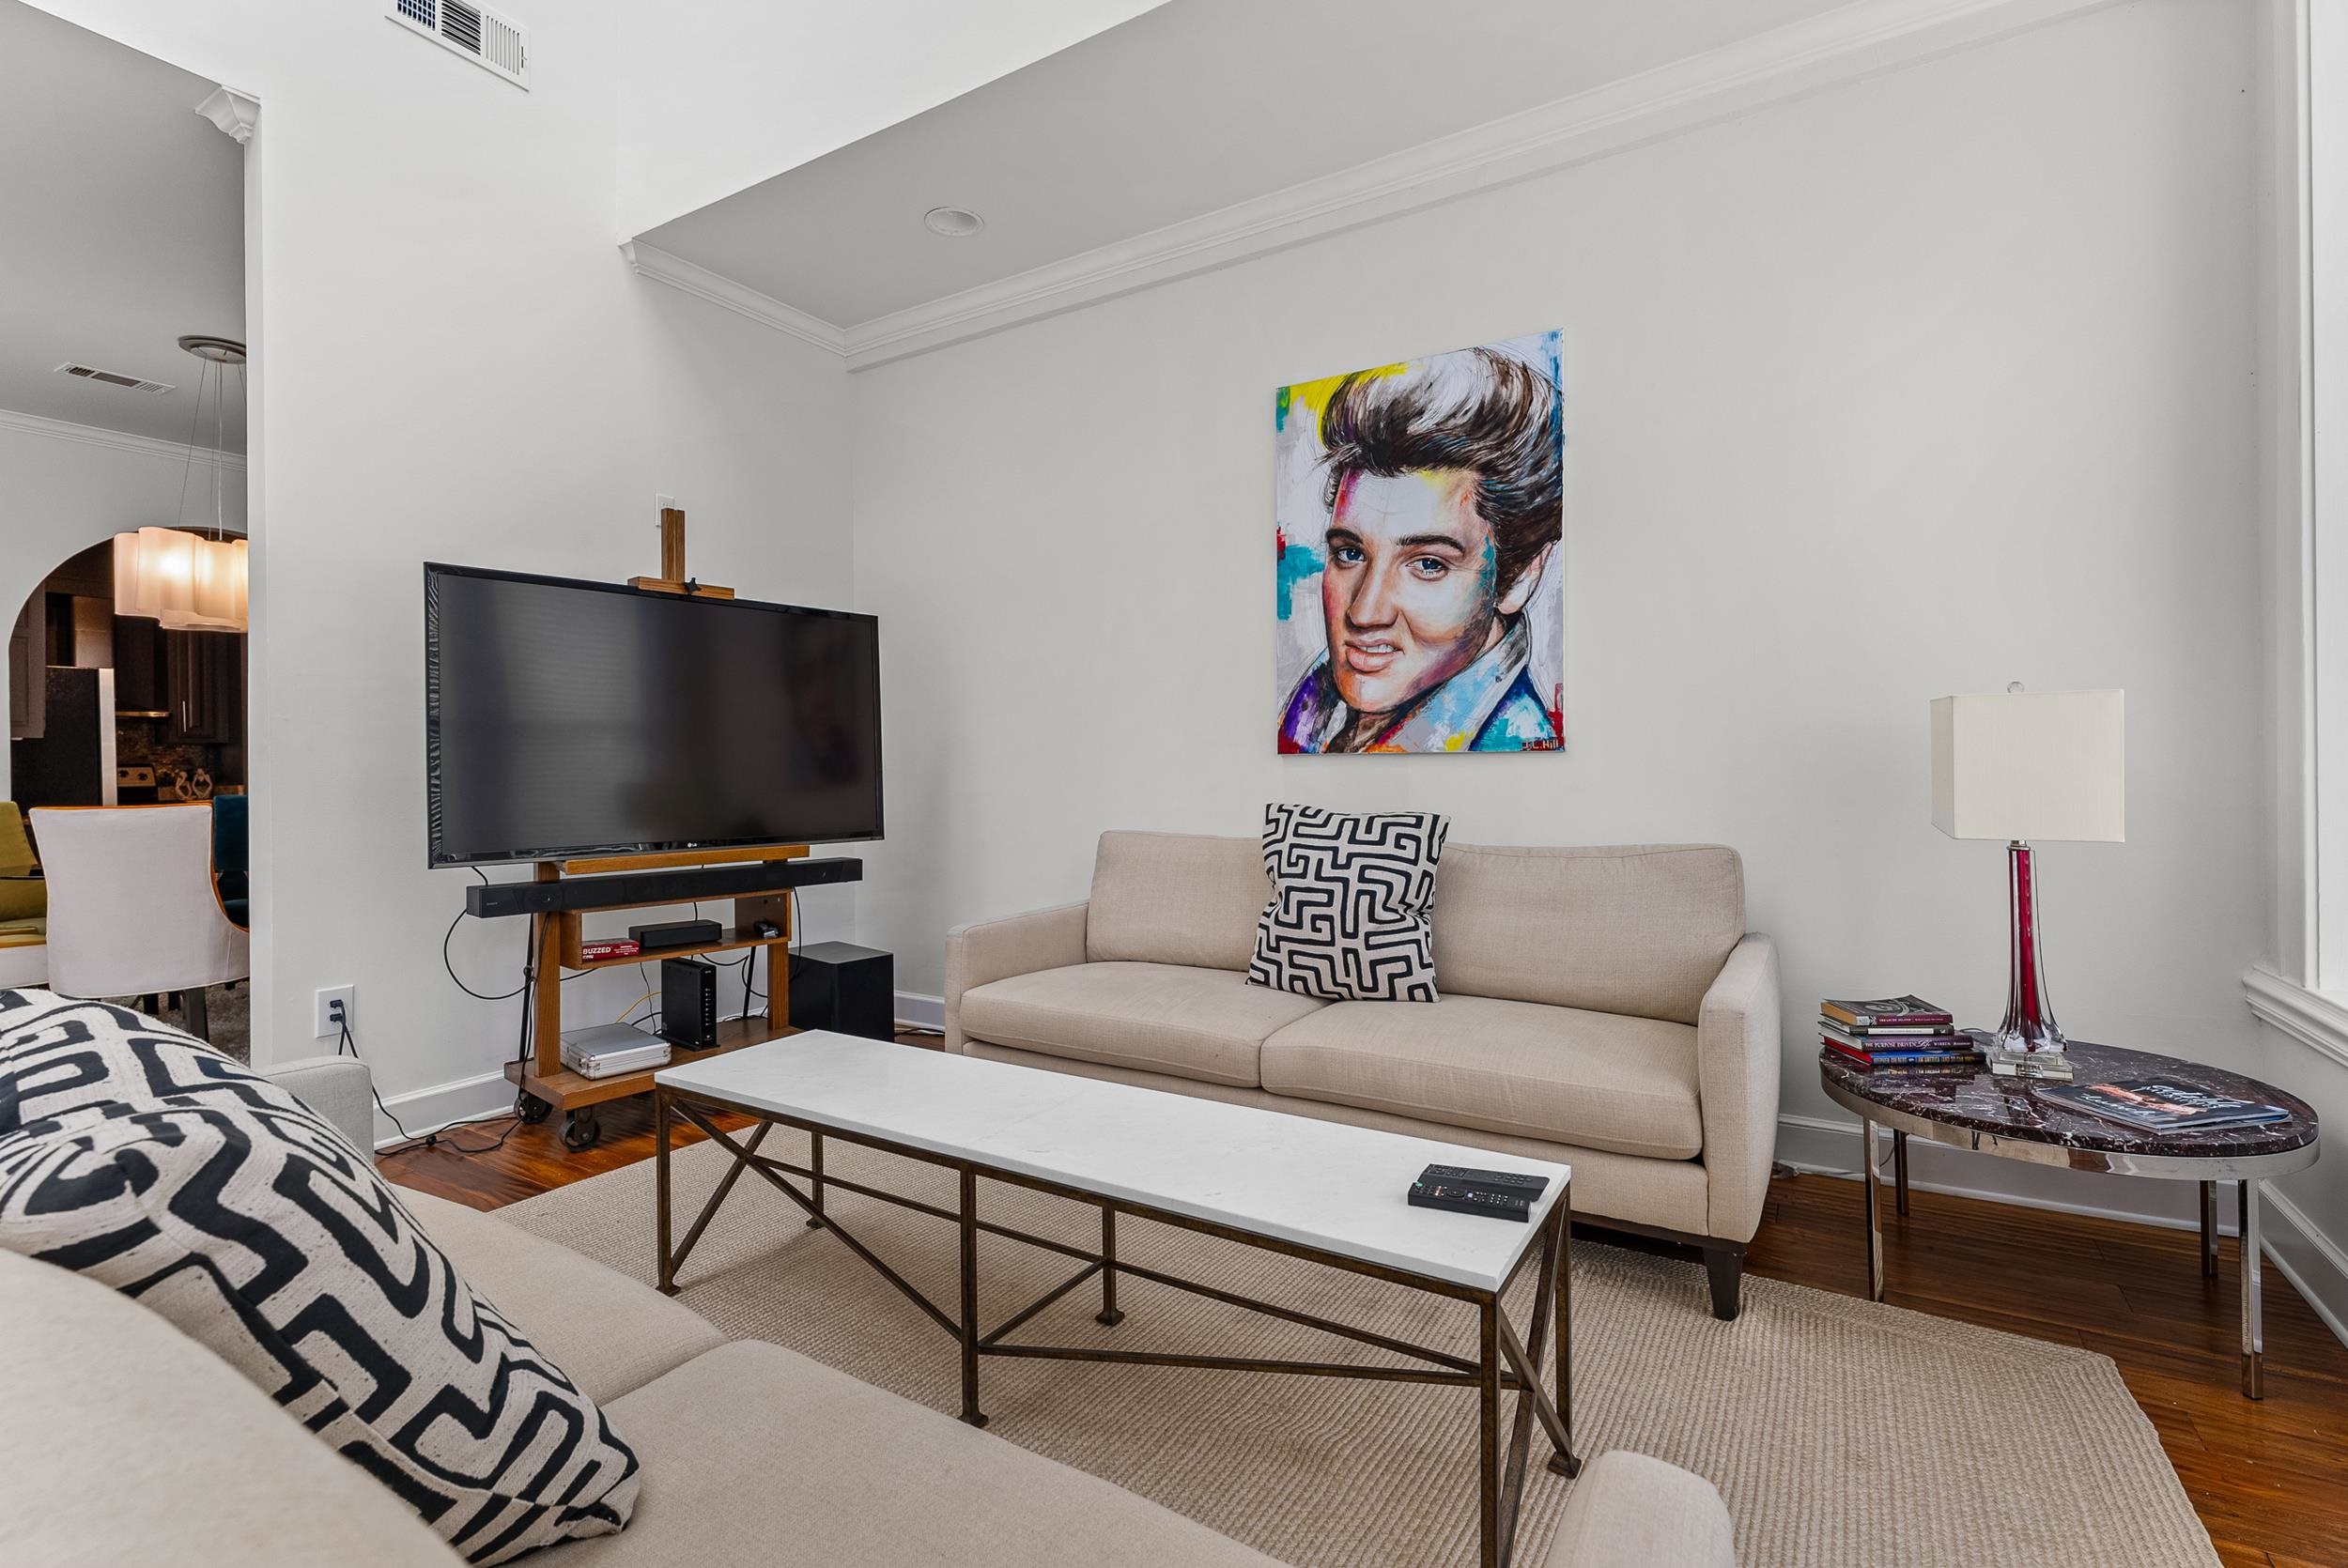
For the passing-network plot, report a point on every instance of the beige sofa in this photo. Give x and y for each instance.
(123, 1441)
(1604, 1008)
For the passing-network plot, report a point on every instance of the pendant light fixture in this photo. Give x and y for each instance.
(182, 578)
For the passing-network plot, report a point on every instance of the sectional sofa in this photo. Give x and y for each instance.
(124, 1441)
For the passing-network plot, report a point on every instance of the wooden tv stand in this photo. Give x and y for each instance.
(543, 1085)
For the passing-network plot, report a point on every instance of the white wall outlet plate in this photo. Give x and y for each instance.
(328, 1028)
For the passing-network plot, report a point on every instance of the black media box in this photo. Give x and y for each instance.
(689, 1003)
(845, 989)
(677, 933)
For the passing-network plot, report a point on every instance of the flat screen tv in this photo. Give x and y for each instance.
(568, 718)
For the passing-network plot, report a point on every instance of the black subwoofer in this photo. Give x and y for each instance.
(845, 989)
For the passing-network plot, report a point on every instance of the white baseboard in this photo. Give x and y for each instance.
(916, 1011)
(423, 1110)
(2314, 1265)
(2310, 1260)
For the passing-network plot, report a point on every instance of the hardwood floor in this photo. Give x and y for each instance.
(2269, 1478)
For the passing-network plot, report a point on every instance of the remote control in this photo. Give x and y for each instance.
(1466, 1200)
(1490, 1182)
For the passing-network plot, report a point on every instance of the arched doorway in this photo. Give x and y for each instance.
(108, 709)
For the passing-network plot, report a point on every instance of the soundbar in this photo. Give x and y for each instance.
(491, 900)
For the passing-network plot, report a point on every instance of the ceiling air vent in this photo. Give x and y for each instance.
(113, 377)
(490, 40)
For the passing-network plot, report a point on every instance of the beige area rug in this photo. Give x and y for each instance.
(1841, 1433)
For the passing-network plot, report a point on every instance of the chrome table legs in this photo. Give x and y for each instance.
(2253, 1329)
(1874, 1209)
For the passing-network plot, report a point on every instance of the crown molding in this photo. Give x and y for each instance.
(2309, 1016)
(233, 112)
(700, 282)
(1847, 44)
(1844, 45)
(121, 441)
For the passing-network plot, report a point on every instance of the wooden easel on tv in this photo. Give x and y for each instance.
(543, 1084)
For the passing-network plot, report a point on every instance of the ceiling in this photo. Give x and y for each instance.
(1186, 110)
(124, 229)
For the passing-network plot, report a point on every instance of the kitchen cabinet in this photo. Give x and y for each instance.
(204, 685)
(142, 682)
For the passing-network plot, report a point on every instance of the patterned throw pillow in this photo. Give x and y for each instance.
(1351, 897)
(145, 1159)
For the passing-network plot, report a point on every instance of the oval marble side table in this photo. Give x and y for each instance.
(2006, 1117)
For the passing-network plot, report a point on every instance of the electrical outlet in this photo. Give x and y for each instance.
(334, 1011)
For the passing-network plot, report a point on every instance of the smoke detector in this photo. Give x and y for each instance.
(491, 40)
(113, 377)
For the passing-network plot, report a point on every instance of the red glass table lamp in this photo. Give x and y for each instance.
(2028, 766)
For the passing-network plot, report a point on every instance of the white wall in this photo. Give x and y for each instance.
(458, 365)
(1916, 386)
(64, 487)
(725, 93)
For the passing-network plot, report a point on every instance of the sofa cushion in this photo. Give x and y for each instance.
(222, 1203)
(756, 1454)
(1205, 1023)
(1174, 898)
(1640, 930)
(1674, 1194)
(124, 1441)
(1346, 920)
(1599, 1080)
(606, 1331)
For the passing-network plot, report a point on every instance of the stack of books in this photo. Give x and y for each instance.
(2164, 1105)
(1895, 1032)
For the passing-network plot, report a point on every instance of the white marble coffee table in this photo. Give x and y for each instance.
(1323, 1191)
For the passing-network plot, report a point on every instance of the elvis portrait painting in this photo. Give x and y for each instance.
(1419, 510)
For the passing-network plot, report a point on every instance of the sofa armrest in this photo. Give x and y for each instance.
(990, 950)
(340, 1088)
(1737, 1079)
(1629, 1511)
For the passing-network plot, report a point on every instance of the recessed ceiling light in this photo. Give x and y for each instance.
(952, 221)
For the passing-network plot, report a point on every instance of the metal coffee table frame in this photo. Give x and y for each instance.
(1504, 1362)
(2248, 1169)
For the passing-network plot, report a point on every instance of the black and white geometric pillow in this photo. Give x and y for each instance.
(223, 1202)
(1351, 900)
(58, 1055)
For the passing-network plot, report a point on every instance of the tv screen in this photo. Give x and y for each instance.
(569, 719)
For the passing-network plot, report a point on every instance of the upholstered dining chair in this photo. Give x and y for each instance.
(132, 905)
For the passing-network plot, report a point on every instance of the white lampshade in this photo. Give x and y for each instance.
(187, 582)
(2030, 765)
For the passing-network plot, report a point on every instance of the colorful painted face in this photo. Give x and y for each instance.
(1412, 593)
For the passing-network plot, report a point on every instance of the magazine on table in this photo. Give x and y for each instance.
(2163, 1105)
